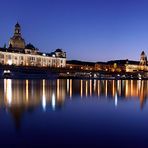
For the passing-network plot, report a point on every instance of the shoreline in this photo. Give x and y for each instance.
(73, 78)
(20, 72)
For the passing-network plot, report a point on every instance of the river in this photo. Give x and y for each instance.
(73, 113)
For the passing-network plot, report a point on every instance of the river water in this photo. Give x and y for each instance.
(73, 113)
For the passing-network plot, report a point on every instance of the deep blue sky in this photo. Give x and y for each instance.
(93, 30)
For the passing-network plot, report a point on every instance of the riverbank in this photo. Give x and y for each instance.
(20, 72)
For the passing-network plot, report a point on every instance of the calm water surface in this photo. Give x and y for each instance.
(92, 113)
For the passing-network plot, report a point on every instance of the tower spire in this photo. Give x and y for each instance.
(17, 41)
(143, 59)
(17, 31)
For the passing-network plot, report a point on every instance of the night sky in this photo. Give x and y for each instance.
(92, 30)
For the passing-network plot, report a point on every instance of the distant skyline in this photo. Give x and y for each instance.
(88, 30)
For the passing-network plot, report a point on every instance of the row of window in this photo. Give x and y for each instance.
(30, 60)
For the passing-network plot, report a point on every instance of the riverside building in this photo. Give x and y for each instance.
(18, 53)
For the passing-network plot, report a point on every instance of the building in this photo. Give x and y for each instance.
(114, 66)
(143, 59)
(19, 53)
(138, 66)
(80, 65)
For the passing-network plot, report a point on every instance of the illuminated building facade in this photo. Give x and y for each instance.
(20, 54)
(141, 66)
(117, 66)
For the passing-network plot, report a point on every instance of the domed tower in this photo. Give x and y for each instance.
(143, 59)
(17, 42)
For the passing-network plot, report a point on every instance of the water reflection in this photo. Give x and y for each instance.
(44, 97)
(21, 95)
(54, 92)
(8, 91)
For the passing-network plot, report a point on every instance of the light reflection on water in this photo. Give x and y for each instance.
(103, 109)
(54, 92)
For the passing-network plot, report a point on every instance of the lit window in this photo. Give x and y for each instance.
(9, 62)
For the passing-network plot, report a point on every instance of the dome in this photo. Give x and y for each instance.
(17, 42)
(58, 50)
(143, 53)
(30, 46)
(59, 53)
